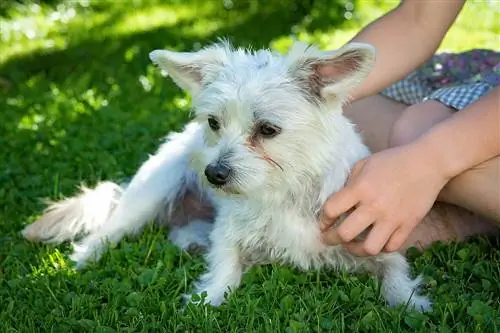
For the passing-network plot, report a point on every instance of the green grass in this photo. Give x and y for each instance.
(80, 102)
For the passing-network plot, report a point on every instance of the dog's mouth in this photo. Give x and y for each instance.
(231, 190)
(226, 189)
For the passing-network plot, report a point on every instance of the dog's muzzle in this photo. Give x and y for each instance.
(217, 173)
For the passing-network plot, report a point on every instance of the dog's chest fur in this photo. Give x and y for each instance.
(277, 234)
(280, 225)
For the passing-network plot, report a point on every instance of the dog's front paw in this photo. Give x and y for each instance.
(203, 296)
(196, 300)
(215, 301)
(84, 252)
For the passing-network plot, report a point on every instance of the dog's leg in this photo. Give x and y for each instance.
(158, 183)
(397, 286)
(192, 236)
(224, 273)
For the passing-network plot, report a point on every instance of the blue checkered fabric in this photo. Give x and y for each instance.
(412, 91)
(461, 96)
(455, 88)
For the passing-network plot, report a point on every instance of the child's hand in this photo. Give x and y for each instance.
(391, 191)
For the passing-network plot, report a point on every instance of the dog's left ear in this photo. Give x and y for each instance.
(334, 73)
(188, 69)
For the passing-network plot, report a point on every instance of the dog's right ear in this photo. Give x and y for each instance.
(333, 73)
(189, 70)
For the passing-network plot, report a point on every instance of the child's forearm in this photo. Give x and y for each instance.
(468, 138)
(404, 39)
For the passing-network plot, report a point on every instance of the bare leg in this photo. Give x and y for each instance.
(415, 120)
(374, 117)
(447, 223)
(384, 123)
(477, 189)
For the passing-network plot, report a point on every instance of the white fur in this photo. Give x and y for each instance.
(268, 210)
(195, 233)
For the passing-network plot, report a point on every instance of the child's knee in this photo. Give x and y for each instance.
(416, 120)
(403, 130)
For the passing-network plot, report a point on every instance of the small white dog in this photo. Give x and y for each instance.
(267, 147)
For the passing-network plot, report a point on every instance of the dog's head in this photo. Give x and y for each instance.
(264, 113)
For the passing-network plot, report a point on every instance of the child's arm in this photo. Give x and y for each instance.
(394, 189)
(404, 39)
(468, 138)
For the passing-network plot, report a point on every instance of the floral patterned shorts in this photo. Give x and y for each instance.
(454, 79)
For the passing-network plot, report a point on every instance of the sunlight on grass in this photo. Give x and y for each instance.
(39, 28)
(151, 18)
(35, 27)
(172, 15)
(84, 103)
(53, 263)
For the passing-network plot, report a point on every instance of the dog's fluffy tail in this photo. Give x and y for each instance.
(70, 218)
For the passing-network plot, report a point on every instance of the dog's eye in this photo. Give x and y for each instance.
(213, 123)
(268, 131)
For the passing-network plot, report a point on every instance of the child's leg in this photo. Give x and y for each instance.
(477, 189)
(415, 120)
(376, 116)
(447, 223)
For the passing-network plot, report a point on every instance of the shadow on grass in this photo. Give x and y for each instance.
(70, 111)
(246, 23)
(95, 110)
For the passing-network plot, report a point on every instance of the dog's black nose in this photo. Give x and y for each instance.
(217, 174)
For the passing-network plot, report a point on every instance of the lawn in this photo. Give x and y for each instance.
(80, 101)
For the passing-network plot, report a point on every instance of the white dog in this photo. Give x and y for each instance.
(267, 147)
